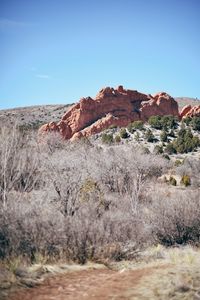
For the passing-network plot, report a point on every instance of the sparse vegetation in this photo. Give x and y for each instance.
(158, 149)
(166, 156)
(131, 128)
(137, 136)
(187, 120)
(138, 125)
(155, 122)
(117, 139)
(149, 136)
(172, 181)
(171, 133)
(185, 180)
(196, 123)
(107, 138)
(165, 122)
(178, 163)
(123, 133)
(186, 141)
(170, 149)
(164, 136)
(31, 126)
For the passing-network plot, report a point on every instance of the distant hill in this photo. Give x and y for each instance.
(182, 101)
(33, 115)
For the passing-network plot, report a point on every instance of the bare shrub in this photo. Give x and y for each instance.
(19, 163)
(113, 235)
(29, 226)
(64, 172)
(127, 171)
(190, 167)
(52, 142)
(81, 201)
(175, 217)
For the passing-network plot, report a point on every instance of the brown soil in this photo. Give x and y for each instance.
(87, 284)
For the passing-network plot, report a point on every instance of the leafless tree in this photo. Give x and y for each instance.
(127, 171)
(19, 162)
(175, 216)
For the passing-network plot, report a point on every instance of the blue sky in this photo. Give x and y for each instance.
(56, 51)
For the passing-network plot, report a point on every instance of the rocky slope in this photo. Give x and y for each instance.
(117, 107)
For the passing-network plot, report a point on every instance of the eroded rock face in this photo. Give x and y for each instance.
(111, 107)
(189, 111)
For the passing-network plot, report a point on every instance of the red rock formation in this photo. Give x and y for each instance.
(111, 107)
(52, 126)
(160, 104)
(185, 110)
(189, 111)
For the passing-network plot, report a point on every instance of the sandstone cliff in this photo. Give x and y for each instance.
(111, 107)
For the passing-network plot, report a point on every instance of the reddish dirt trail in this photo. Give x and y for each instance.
(87, 284)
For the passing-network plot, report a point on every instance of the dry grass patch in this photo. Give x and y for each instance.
(179, 277)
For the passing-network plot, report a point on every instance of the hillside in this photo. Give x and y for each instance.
(33, 115)
(182, 101)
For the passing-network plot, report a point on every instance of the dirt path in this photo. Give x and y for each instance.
(87, 284)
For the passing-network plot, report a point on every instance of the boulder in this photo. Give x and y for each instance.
(110, 107)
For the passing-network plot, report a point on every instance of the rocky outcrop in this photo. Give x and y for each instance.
(111, 107)
(189, 111)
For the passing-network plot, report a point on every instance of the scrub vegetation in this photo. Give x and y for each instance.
(108, 199)
(83, 201)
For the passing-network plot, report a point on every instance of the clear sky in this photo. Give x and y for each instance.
(56, 51)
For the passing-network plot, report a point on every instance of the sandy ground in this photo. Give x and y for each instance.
(88, 284)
